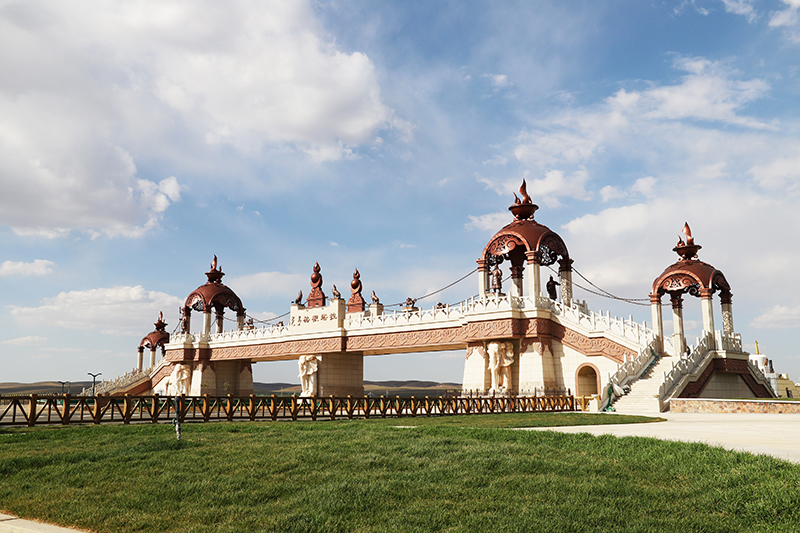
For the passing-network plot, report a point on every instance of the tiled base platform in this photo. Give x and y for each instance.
(698, 405)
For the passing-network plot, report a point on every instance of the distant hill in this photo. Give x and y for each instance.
(409, 387)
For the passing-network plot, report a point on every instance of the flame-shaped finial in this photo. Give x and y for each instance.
(160, 316)
(523, 190)
(214, 263)
(688, 232)
(525, 208)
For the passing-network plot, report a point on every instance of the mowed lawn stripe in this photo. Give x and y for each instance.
(443, 475)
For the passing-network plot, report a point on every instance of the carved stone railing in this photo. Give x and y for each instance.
(729, 342)
(686, 366)
(759, 376)
(632, 370)
(401, 318)
(637, 334)
(125, 380)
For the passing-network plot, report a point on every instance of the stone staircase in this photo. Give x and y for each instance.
(643, 396)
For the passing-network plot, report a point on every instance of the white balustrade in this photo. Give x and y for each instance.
(685, 366)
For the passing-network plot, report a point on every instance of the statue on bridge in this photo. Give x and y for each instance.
(308, 365)
(501, 356)
(551, 288)
(497, 280)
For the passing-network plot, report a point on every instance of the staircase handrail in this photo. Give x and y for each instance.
(686, 366)
(632, 370)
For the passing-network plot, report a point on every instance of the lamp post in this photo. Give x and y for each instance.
(94, 377)
(62, 386)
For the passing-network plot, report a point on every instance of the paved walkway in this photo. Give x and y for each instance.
(777, 435)
(12, 524)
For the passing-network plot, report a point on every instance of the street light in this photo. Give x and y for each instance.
(62, 386)
(94, 377)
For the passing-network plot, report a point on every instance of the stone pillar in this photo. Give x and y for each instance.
(533, 273)
(727, 313)
(341, 374)
(206, 322)
(708, 312)
(516, 281)
(188, 314)
(678, 339)
(565, 272)
(220, 321)
(658, 322)
(240, 322)
(483, 277)
(153, 356)
(141, 357)
(476, 373)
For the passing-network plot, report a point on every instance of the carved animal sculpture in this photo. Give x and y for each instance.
(299, 298)
(336, 294)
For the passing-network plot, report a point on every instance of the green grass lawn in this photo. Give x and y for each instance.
(447, 474)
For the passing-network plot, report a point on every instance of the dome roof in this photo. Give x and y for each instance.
(156, 338)
(526, 238)
(214, 295)
(691, 275)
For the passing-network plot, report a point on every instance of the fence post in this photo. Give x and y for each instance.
(98, 412)
(32, 410)
(206, 408)
(230, 407)
(154, 410)
(126, 417)
(67, 409)
(293, 408)
(252, 407)
(182, 408)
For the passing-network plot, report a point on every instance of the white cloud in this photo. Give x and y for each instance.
(645, 186)
(31, 340)
(120, 310)
(556, 184)
(268, 284)
(101, 84)
(610, 192)
(778, 317)
(39, 267)
(781, 174)
(498, 80)
(489, 222)
(741, 7)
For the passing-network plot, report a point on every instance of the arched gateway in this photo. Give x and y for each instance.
(515, 340)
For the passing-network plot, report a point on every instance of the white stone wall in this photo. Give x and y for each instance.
(477, 377)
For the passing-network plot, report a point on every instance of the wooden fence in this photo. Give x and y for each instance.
(34, 410)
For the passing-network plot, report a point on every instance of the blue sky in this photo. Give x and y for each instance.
(137, 140)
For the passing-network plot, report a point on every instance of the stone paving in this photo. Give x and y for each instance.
(777, 435)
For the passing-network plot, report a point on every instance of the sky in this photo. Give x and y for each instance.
(140, 139)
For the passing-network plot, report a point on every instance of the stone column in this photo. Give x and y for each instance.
(220, 318)
(516, 281)
(678, 340)
(727, 314)
(658, 322)
(240, 322)
(532, 271)
(483, 277)
(565, 272)
(188, 314)
(141, 357)
(708, 312)
(153, 357)
(206, 322)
